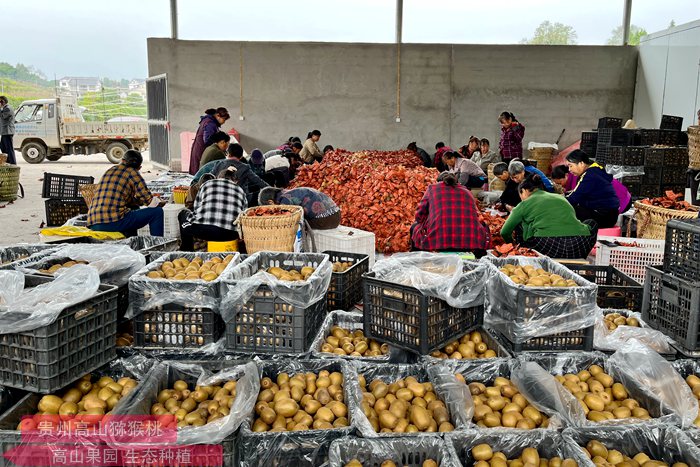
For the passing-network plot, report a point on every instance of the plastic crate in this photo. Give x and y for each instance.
(608, 137)
(653, 191)
(672, 306)
(148, 244)
(669, 137)
(11, 255)
(631, 261)
(345, 289)
(629, 156)
(674, 175)
(652, 175)
(266, 323)
(633, 184)
(64, 186)
(58, 211)
(402, 451)
(177, 326)
(488, 336)
(609, 122)
(580, 339)
(403, 316)
(80, 340)
(671, 122)
(615, 289)
(346, 240)
(682, 251)
(346, 320)
(659, 156)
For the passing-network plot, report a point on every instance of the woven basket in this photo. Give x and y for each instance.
(88, 192)
(495, 184)
(543, 156)
(271, 233)
(694, 147)
(651, 220)
(9, 182)
(3, 159)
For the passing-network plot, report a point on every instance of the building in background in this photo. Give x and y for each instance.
(79, 85)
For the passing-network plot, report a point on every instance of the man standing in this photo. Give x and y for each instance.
(7, 130)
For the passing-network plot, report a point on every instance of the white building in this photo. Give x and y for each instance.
(79, 85)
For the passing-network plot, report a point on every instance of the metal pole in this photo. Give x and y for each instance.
(399, 20)
(399, 28)
(626, 20)
(173, 19)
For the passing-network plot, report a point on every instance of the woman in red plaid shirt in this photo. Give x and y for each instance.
(512, 133)
(447, 219)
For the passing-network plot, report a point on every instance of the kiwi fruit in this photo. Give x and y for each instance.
(469, 346)
(341, 266)
(603, 456)
(532, 277)
(58, 266)
(301, 402)
(484, 455)
(352, 343)
(601, 397)
(180, 269)
(194, 406)
(292, 275)
(693, 382)
(613, 320)
(389, 463)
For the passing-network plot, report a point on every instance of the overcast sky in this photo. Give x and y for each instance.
(107, 38)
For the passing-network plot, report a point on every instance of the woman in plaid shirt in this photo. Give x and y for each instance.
(512, 133)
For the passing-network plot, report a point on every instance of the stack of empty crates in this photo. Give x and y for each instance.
(64, 198)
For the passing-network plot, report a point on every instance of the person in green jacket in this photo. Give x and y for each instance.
(547, 223)
(217, 149)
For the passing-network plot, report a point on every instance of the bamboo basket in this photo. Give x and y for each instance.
(3, 159)
(9, 182)
(271, 233)
(543, 157)
(88, 193)
(495, 184)
(651, 220)
(694, 147)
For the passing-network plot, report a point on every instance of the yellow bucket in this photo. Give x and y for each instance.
(213, 247)
(179, 196)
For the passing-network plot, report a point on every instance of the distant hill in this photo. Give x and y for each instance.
(18, 91)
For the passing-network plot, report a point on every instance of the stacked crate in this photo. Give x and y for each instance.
(64, 200)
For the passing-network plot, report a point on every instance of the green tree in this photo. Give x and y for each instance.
(672, 24)
(548, 33)
(636, 34)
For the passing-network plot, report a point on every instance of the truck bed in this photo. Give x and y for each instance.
(99, 130)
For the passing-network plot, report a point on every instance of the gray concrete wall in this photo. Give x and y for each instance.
(348, 91)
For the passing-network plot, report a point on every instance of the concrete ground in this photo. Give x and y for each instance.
(20, 221)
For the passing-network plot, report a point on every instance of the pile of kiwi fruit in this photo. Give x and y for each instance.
(388, 463)
(341, 267)
(404, 406)
(469, 346)
(197, 406)
(54, 268)
(604, 457)
(291, 275)
(484, 456)
(301, 402)
(182, 269)
(352, 343)
(535, 277)
(601, 397)
(125, 339)
(85, 397)
(613, 320)
(694, 383)
(502, 405)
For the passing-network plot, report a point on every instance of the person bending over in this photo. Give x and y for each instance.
(468, 173)
(320, 211)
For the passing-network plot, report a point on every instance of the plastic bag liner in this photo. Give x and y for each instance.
(604, 339)
(512, 443)
(114, 263)
(620, 171)
(241, 282)
(686, 368)
(148, 294)
(410, 452)
(307, 448)
(535, 385)
(14, 253)
(522, 312)
(657, 378)
(164, 374)
(661, 443)
(27, 309)
(460, 283)
(445, 386)
(346, 320)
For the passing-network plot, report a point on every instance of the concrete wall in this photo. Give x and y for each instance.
(348, 91)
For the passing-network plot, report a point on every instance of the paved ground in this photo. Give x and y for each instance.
(21, 220)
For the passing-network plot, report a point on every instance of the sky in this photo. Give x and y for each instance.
(107, 38)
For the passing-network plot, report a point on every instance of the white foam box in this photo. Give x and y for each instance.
(346, 240)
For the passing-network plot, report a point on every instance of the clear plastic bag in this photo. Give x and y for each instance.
(460, 283)
(620, 171)
(446, 387)
(410, 452)
(604, 339)
(35, 307)
(522, 312)
(23, 252)
(241, 282)
(164, 374)
(346, 320)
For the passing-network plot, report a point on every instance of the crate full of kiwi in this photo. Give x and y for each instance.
(302, 407)
(183, 291)
(341, 335)
(615, 288)
(275, 302)
(11, 255)
(427, 451)
(345, 290)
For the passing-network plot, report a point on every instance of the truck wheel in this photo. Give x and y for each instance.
(34, 153)
(54, 157)
(115, 152)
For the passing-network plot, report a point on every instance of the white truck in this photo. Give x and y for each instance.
(53, 128)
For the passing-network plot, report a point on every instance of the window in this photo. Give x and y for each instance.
(29, 112)
(51, 110)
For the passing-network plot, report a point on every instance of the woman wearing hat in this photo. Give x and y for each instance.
(320, 211)
(594, 196)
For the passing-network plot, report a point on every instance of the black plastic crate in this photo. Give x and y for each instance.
(682, 249)
(616, 289)
(629, 156)
(79, 341)
(266, 323)
(672, 156)
(345, 290)
(589, 142)
(402, 451)
(177, 326)
(64, 186)
(669, 137)
(581, 339)
(653, 191)
(609, 122)
(648, 136)
(674, 175)
(609, 137)
(671, 122)
(148, 244)
(15, 253)
(652, 175)
(58, 211)
(653, 157)
(672, 306)
(403, 316)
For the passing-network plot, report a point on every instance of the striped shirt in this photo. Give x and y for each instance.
(121, 189)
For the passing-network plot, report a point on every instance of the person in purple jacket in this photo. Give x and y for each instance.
(209, 124)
